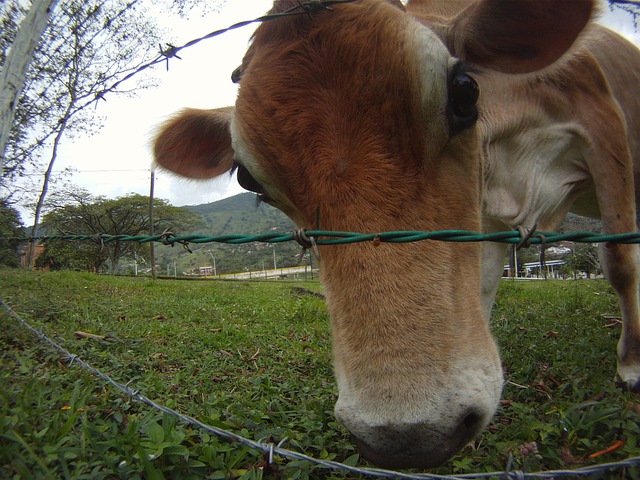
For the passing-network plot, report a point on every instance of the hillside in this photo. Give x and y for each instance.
(239, 214)
(575, 223)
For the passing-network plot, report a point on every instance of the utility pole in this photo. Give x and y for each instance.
(215, 271)
(275, 266)
(152, 252)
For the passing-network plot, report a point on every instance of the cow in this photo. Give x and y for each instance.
(374, 116)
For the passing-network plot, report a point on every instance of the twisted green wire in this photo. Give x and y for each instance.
(324, 237)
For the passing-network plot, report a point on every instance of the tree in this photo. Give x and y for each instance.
(89, 48)
(66, 255)
(127, 215)
(632, 7)
(582, 259)
(103, 45)
(16, 63)
(86, 48)
(10, 229)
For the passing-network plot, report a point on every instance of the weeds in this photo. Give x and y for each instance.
(255, 358)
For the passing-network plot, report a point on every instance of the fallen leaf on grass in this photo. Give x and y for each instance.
(634, 407)
(91, 336)
(159, 317)
(215, 330)
(539, 384)
(614, 446)
(224, 352)
(551, 334)
(102, 338)
(612, 321)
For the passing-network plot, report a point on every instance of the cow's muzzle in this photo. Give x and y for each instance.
(415, 445)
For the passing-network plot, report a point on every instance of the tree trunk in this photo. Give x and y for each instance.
(115, 255)
(43, 193)
(14, 71)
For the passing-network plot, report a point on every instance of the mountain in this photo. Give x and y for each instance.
(575, 223)
(240, 214)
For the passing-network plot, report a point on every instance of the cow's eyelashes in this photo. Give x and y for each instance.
(246, 181)
(236, 75)
(463, 99)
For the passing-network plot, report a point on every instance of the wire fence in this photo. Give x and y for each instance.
(270, 450)
(326, 237)
(316, 237)
(171, 51)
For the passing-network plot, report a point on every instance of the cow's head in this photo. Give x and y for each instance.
(363, 119)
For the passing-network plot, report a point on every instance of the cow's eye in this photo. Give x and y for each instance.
(464, 95)
(246, 181)
(463, 98)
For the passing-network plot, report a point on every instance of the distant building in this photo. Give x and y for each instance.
(205, 271)
(533, 269)
(559, 250)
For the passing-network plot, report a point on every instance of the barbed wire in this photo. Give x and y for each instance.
(321, 237)
(170, 51)
(269, 449)
(328, 237)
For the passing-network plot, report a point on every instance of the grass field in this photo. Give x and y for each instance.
(255, 358)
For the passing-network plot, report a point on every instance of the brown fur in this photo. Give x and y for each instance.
(342, 118)
(341, 92)
(589, 88)
(196, 144)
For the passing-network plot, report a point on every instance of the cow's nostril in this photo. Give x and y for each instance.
(471, 424)
(417, 445)
(471, 421)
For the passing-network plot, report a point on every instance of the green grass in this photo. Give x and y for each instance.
(255, 358)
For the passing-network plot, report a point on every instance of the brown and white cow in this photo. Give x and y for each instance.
(367, 118)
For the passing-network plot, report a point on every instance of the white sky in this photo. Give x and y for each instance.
(116, 161)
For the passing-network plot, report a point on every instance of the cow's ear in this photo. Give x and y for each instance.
(517, 36)
(196, 143)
